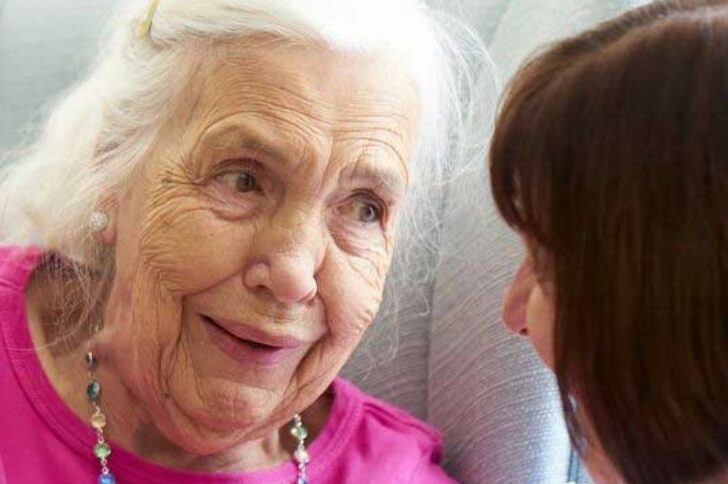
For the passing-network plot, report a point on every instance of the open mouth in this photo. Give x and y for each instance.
(248, 350)
(257, 346)
(251, 343)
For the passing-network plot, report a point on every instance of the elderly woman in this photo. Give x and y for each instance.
(610, 158)
(197, 242)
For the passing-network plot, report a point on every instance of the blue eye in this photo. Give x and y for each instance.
(239, 181)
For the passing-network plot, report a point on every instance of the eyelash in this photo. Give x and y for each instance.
(250, 177)
(250, 168)
(369, 200)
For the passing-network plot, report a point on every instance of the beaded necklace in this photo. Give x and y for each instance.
(102, 450)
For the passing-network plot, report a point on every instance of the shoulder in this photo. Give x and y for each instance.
(386, 419)
(399, 443)
(16, 264)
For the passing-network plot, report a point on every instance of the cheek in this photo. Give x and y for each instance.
(351, 289)
(540, 323)
(172, 249)
(188, 250)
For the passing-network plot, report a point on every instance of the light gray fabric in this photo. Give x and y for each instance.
(455, 364)
(487, 390)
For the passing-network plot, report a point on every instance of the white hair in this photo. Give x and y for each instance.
(99, 131)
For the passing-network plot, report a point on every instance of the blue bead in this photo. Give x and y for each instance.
(92, 390)
(301, 480)
(107, 479)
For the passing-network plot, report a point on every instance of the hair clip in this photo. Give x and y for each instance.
(146, 23)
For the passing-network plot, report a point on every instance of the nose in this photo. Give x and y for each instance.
(515, 299)
(288, 258)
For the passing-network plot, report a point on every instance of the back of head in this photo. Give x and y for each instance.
(611, 154)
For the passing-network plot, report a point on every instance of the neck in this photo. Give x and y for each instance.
(131, 427)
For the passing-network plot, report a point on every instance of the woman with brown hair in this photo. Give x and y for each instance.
(610, 158)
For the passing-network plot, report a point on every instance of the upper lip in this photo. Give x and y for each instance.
(251, 333)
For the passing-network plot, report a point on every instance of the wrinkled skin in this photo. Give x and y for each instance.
(269, 200)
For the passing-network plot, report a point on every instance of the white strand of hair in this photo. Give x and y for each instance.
(98, 132)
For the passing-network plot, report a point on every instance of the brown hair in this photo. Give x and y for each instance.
(610, 154)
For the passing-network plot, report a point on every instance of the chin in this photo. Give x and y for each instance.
(226, 411)
(199, 431)
(600, 469)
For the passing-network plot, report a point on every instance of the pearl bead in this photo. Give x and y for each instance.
(90, 361)
(302, 456)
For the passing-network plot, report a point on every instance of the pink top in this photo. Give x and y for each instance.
(364, 440)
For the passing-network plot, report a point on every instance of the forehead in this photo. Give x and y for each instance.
(315, 96)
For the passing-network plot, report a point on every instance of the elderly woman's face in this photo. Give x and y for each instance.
(252, 247)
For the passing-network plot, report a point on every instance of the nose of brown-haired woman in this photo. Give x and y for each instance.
(515, 298)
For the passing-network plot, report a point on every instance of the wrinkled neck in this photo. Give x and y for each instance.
(62, 357)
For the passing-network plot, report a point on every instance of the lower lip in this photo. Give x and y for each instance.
(243, 352)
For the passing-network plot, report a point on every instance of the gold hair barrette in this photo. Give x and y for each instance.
(146, 23)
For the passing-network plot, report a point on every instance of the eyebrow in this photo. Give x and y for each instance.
(384, 178)
(245, 134)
